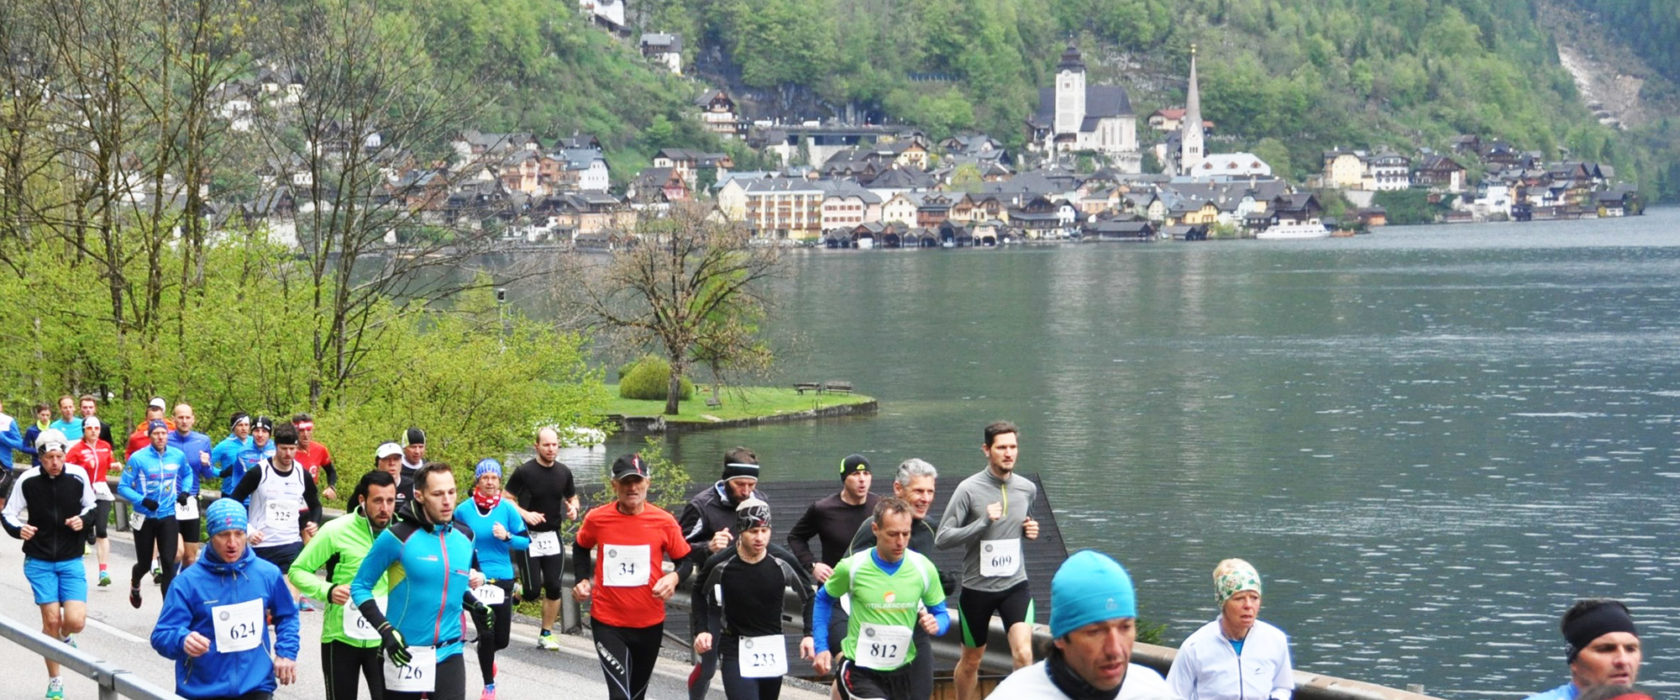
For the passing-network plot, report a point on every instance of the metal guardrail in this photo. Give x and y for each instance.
(113, 682)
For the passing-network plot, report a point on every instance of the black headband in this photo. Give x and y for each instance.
(1594, 623)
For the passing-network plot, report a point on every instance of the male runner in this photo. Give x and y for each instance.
(139, 440)
(1601, 645)
(69, 422)
(388, 458)
(834, 519)
(225, 456)
(988, 516)
(284, 508)
(420, 632)
(543, 492)
(215, 622)
(706, 521)
(1093, 624)
(886, 583)
(739, 591)
(93, 456)
(349, 644)
(413, 450)
(154, 484)
(58, 501)
(616, 559)
(315, 457)
(196, 446)
(915, 484)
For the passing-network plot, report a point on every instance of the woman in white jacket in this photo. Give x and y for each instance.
(1234, 657)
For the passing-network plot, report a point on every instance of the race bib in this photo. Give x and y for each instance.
(135, 519)
(281, 513)
(102, 491)
(544, 544)
(490, 594)
(419, 676)
(1000, 557)
(357, 627)
(882, 647)
(625, 565)
(239, 626)
(762, 657)
(188, 511)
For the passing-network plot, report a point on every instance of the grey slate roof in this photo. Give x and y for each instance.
(1100, 101)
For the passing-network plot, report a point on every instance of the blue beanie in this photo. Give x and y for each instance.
(1089, 587)
(223, 515)
(487, 466)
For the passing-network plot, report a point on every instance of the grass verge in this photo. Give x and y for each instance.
(737, 403)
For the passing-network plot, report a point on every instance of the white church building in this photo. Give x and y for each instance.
(1073, 116)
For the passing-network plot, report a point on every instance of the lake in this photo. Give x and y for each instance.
(1429, 440)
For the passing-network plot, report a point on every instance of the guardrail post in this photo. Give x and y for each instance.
(119, 510)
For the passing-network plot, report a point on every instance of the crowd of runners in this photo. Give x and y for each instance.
(413, 573)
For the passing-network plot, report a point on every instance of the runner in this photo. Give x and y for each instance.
(139, 440)
(1093, 623)
(286, 509)
(11, 438)
(706, 521)
(260, 448)
(1601, 645)
(616, 559)
(225, 457)
(58, 502)
(988, 516)
(348, 643)
(90, 409)
(315, 457)
(543, 491)
(69, 422)
(43, 421)
(885, 582)
(497, 531)
(154, 483)
(421, 638)
(213, 620)
(388, 458)
(915, 484)
(95, 459)
(734, 593)
(833, 520)
(414, 451)
(1236, 641)
(196, 447)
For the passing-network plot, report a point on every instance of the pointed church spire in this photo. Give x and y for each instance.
(1191, 136)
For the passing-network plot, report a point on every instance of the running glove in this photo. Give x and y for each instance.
(484, 623)
(396, 648)
(181, 499)
(149, 503)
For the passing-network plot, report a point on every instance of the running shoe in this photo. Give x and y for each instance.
(55, 689)
(548, 642)
(104, 578)
(304, 605)
(489, 692)
(70, 641)
(134, 596)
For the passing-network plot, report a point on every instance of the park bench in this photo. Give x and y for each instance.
(837, 386)
(803, 387)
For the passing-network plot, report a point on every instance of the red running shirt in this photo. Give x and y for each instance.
(622, 589)
(95, 460)
(313, 458)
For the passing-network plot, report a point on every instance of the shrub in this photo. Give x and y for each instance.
(648, 379)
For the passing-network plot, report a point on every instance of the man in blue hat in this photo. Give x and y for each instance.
(213, 623)
(1093, 620)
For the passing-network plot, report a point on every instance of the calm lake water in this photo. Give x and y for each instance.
(1429, 440)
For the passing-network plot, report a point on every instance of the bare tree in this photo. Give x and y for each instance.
(686, 283)
(360, 132)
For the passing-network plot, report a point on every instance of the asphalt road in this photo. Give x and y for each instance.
(119, 634)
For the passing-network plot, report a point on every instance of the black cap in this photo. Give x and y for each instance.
(414, 436)
(853, 463)
(629, 465)
(263, 422)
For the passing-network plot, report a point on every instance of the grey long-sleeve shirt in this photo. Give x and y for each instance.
(992, 561)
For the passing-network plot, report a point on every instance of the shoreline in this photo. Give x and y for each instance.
(659, 424)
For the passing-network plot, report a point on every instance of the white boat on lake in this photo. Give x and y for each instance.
(1294, 230)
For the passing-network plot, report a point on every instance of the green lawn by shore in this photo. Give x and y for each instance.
(738, 403)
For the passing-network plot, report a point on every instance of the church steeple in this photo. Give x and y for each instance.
(1070, 92)
(1191, 136)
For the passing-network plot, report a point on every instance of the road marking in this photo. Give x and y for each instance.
(115, 632)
